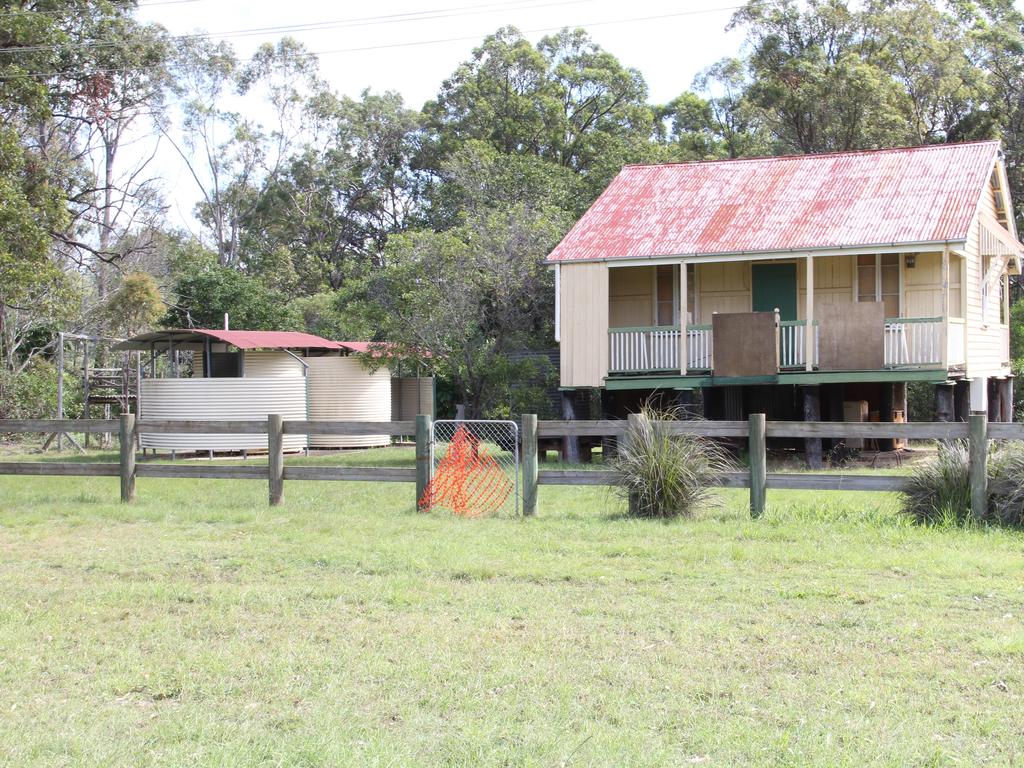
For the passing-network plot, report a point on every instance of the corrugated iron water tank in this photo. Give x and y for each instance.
(227, 399)
(341, 389)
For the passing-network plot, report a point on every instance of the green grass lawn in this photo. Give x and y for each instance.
(200, 627)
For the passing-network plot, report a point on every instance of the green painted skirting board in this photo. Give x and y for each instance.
(814, 377)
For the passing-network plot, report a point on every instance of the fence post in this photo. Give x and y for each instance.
(424, 459)
(127, 441)
(758, 464)
(979, 465)
(632, 425)
(275, 458)
(529, 464)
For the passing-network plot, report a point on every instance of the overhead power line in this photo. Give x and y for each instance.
(439, 41)
(392, 18)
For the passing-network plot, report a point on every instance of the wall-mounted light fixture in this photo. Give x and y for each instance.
(910, 261)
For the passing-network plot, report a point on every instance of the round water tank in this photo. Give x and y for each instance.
(341, 389)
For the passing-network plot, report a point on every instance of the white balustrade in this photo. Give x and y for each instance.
(913, 341)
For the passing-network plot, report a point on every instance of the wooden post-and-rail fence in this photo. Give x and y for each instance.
(755, 431)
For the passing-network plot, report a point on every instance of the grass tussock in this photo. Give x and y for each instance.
(939, 492)
(662, 474)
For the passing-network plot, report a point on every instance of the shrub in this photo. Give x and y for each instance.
(1006, 484)
(939, 492)
(662, 474)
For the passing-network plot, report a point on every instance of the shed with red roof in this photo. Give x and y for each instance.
(211, 374)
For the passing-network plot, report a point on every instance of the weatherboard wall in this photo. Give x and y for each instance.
(584, 324)
(988, 348)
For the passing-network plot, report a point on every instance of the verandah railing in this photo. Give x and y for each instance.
(908, 342)
(913, 341)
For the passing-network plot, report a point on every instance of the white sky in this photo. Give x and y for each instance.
(669, 41)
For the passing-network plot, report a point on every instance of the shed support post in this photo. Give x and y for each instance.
(529, 464)
(944, 402)
(979, 465)
(60, 386)
(424, 461)
(275, 458)
(127, 446)
(758, 464)
(812, 412)
(85, 387)
(570, 443)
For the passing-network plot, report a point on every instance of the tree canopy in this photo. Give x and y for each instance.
(361, 216)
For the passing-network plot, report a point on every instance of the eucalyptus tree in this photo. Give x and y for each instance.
(343, 192)
(233, 158)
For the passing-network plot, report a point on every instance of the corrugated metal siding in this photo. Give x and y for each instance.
(411, 397)
(341, 389)
(272, 364)
(920, 194)
(221, 399)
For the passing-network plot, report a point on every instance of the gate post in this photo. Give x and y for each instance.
(424, 459)
(758, 464)
(529, 464)
(275, 458)
(979, 465)
(127, 441)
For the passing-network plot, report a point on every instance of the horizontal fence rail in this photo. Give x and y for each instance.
(978, 432)
(85, 426)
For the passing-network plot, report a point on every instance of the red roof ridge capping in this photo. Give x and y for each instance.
(891, 197)
(265, 339)
(798, 156)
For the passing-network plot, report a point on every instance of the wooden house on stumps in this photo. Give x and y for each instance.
(812, 286)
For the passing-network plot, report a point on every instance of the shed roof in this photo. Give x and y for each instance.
(240, 339)
(808, 202)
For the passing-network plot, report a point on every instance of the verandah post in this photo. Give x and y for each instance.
(529, 464)
(979, 465)
(275, 458)
(126, 438)
(424, 459)
(758, 464)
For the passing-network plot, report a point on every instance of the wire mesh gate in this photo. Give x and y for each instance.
(475, 467)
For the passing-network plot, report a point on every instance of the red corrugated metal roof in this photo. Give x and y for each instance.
(269, 339)
(804, 202)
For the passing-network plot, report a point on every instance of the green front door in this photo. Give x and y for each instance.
(774, 285)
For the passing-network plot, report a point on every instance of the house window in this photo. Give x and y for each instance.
(666, 292)
(878, 279)
(691, 292)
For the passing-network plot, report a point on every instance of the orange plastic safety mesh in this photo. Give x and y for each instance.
(468, 480)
